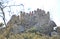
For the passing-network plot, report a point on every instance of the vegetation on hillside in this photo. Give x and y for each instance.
(29, 34)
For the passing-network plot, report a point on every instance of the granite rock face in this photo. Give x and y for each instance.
(38, 18)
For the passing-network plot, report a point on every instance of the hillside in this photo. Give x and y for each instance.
(34, 25)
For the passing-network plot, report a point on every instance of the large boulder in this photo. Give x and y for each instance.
(52, 24)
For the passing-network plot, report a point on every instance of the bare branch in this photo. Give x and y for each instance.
(11, 6)
(14, 5)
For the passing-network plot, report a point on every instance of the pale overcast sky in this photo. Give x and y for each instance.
(48, 5)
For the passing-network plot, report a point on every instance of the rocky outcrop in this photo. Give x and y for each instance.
(38, 18)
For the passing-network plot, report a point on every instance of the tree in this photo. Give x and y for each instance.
(2, 14)
(2, 6)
